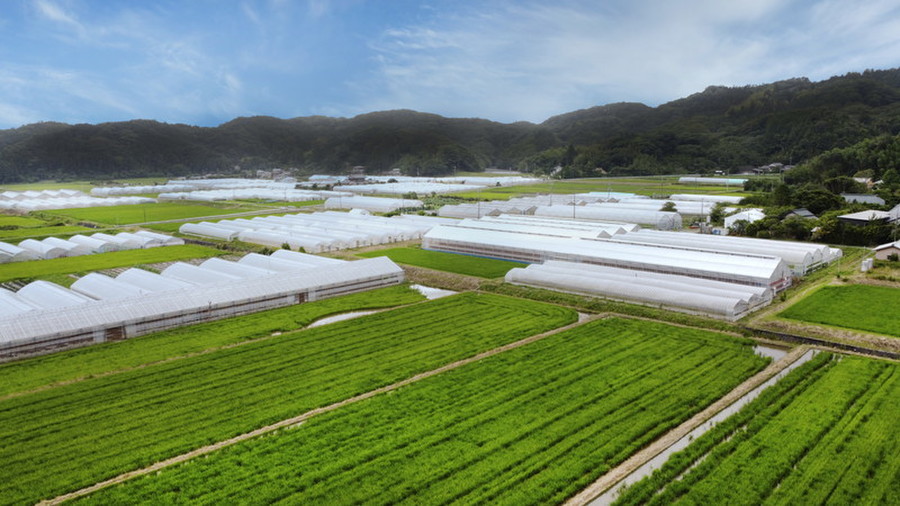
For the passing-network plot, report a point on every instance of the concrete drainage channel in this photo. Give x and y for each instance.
(611, 493)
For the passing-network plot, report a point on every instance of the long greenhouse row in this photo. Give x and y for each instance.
(703, 296)
(372, 204)
(317, 232)
(43, 315)
(77, 245)
(69, 202)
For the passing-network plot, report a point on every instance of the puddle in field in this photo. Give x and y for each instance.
(339, 318)
(656, 462)
(432, 293)
(772, 352)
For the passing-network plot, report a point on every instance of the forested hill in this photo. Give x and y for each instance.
(787, 121)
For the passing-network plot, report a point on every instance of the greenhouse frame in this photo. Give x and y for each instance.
(67, 318)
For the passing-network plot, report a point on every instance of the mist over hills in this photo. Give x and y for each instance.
(719, 128)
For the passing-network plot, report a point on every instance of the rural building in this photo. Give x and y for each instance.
(883, 251)
(863, 218)
(863, 198)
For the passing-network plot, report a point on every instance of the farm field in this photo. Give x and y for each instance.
(67, 437)
(860, 307)
(448, 262)
(824, 434)
(141, 213)
(105, 358)
(641, 186)
(7, 221)
(62, 231)
(87, 263)
(532, 425)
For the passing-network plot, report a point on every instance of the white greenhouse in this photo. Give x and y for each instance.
(65, 318)
(662, 220)
(714, 298)
(753, 270)
(13, 253)
(712, 181)
(374, 204)
(42, 250)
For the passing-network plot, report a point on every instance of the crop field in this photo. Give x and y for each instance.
(641, 186)
(532, 425)
(10, 222)
(41, 269)
(448, 262)
(142, 213)
(70, 436)
(105, 358)
(860, 307)
(61, 231)
(826, 434)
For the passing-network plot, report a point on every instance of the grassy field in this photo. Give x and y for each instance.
(70, 436)
(41, 269)
(530, 426)
(859, 307)
(8, 221)
(448, 262)
(105, 358)
(826, 434)
(61, 231)
(141, 213)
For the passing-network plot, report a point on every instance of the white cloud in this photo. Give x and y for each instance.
(514, 60)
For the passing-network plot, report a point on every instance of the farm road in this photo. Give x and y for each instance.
(640, 458)
(297, 420)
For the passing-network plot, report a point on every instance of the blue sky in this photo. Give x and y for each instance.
(204, 62)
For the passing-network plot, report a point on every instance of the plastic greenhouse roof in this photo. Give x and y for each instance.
(103, 314)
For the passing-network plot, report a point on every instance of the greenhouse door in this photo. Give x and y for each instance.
(115, 334)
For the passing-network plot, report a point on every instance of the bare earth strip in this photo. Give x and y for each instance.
(582, 318)
(624, 469)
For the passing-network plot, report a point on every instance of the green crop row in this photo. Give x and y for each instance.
(861, 307)
(61, 231)
(40, 269)
(529, 426)
(142, 213)
(448, 262)
(823, 434)
(10, 222)
(67, 437)
(115, 356)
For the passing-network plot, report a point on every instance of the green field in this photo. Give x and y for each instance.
(530, 426)
(61, 231)
(105, 358)
(142, 213)
(7, 221)
(859, 307)
(43, 268)
(448, 262)
(67, 437)
(826, 434)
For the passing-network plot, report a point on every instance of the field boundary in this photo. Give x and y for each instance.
(620, 472)
(297, 420)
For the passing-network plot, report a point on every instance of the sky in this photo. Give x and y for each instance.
(205, 62)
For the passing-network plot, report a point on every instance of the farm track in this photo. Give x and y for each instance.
(297, 420)
(640, 458)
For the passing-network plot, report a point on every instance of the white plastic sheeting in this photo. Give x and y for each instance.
(801, 257)
(754, 270)
(712, 180)
(100, 287)
(109, 191)
(721, 299)
(699, 197)
(318, 232)
(374, 204)
(96, 245)
(12, 304)
(662, 220)
(196, 275)
(42, 250)
(69, 318)
(13, 253)
(73, 249)
(750, 215)
(421, 188)
(43, 203)
(150, 281)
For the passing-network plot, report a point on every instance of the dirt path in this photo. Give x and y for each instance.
(297, 420)
(640, 458)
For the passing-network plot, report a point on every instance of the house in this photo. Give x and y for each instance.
(863, 198)
(801, 213)
(885, 250)
(865, 180)
(864, 217)
(894, 214)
